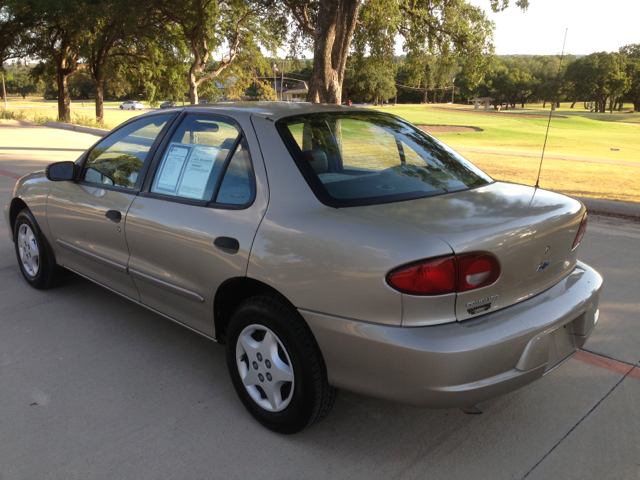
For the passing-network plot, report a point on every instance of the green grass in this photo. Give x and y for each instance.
(86, 117)
(581, 134)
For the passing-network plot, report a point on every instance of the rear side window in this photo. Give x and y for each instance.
(206, 155)
(365, 158)
(117, 160)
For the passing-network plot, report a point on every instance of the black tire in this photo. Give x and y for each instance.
(310, 397)
(46, 273)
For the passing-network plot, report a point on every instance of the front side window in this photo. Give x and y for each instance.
(365, 158)
(203, 154)
(117, 160)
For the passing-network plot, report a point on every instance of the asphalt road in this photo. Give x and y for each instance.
(93, 386)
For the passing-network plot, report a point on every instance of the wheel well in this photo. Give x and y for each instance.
(230, 295)
(17, 205)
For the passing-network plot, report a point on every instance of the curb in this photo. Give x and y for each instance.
(610, 207)
(100, 132)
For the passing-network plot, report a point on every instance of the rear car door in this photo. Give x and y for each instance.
(87, 217)
(192, 226)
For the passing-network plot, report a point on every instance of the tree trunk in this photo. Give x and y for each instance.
(333, 34)
(544, 103)
(64, 101)
(426, 96)
(99, 87)
(193, 87)
(573, 104)
(612, 101)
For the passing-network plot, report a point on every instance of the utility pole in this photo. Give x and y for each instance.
(275, 81)
(4, 91)
(282, 83)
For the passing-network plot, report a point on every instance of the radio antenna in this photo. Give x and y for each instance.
(552, 107)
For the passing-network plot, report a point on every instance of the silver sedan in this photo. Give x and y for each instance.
(326, 247)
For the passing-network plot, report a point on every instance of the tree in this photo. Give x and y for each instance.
(109, 24)
(449, 28)
(237, 27)
(632, 91)
(369, 78)
(51, 31)
(20, 82)
(600, 76)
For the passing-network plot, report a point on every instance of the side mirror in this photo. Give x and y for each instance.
(60, 171)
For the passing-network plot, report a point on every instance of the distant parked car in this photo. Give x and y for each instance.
(131, 105)
(168, 104)
(203, 101)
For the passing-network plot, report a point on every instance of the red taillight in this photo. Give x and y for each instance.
(477, 270)
(443, 275)
(433, 277)
(581, 230)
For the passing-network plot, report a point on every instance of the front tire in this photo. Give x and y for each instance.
(35, 258)
(276, 365)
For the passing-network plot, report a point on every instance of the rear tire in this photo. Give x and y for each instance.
(35, 257)
(276, 365)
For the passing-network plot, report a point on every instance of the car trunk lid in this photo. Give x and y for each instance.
(530, 231)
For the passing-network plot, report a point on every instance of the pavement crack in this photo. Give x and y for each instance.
(581, 420)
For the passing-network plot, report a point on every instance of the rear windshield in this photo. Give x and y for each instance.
(366, 158)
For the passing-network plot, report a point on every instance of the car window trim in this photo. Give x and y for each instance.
(145, 166)
(225, 165)
(145, 191)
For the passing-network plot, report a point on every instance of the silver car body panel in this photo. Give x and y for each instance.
(174, 263)
(33, 189)
(85, 239)
(513, 222)
(459, 363)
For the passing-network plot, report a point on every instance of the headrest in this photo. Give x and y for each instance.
(318, 160)
(203, 127)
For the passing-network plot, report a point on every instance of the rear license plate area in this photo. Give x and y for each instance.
(561, 345)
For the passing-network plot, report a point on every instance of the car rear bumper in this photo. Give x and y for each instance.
(461, 363)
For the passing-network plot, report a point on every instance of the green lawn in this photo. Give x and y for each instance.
(580, 134)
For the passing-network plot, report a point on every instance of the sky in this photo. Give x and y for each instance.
(593, 26)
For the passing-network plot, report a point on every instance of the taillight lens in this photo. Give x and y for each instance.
(433, 277)
(444, 275)
(477, 270)
(581, 230)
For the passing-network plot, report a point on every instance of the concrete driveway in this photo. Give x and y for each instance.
(93, 386)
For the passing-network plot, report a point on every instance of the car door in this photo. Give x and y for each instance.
(87, 217)
(192, 226)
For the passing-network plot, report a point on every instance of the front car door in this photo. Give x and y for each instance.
(192, 226)
(87, 218)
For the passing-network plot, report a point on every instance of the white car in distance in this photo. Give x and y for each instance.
(131, 105)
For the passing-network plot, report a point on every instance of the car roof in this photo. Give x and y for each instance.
(273, 110)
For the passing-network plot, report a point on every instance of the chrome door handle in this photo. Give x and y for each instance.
(227, 244)
(114, 215)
